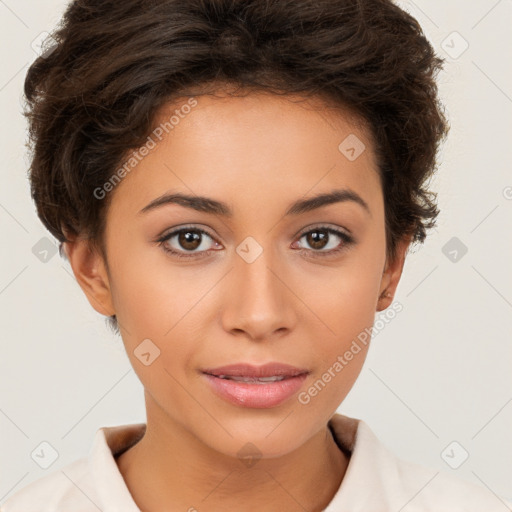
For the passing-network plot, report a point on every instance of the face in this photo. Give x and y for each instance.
(250, 276)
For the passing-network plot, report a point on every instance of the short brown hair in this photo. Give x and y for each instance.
(96, 95)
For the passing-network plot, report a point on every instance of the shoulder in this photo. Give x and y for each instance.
(88, 484)
(376, 479)
(69, 488)
(429, 489)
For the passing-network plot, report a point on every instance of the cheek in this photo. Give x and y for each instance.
(159, 308)
(166, 304)
(152, 294)
(341, 351)
(345, 297)
(346, 303)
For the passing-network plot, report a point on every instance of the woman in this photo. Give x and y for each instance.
(236, 186)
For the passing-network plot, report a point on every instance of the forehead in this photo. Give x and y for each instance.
(258, 146)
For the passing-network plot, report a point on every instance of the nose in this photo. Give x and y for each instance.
(259, 303)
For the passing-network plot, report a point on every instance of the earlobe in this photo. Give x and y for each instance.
(91, 274)
(391, 275)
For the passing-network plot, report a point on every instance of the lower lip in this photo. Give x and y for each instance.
(258, 396)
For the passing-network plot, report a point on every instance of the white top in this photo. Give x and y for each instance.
(375, 480)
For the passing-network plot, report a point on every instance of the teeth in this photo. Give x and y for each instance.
(256, 380)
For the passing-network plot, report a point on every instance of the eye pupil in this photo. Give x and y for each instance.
(189, 239)
(318, 238)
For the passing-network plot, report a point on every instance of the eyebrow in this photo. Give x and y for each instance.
(208, 205)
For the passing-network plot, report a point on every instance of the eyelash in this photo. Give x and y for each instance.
(347, 240)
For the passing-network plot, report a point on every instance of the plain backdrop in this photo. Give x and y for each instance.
(437, 383)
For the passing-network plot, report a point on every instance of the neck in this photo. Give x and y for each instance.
(170, 468)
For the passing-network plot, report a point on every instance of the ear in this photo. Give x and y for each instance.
(392, 273)
(91, 273)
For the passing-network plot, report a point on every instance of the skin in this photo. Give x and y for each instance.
(257, 153)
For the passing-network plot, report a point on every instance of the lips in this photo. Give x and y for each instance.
(248, 371)
(258, 387)
(254, 380)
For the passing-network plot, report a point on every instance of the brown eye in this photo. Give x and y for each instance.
(188, 242)
(318, 238)
(325, 241)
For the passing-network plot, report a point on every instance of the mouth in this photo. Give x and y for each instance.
(254, 380)
(256, 386)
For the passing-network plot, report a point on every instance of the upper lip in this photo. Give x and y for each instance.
(249, 370)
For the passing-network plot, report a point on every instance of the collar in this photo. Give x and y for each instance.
(371, 466)
(113, 494)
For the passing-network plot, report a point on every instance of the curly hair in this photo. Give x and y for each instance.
(96, 95)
